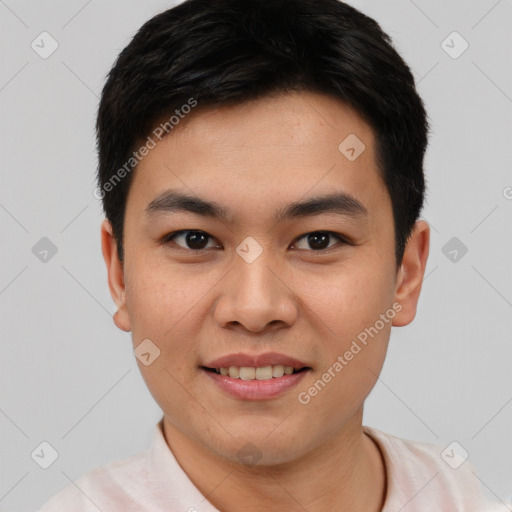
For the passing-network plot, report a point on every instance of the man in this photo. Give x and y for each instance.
(261, 172)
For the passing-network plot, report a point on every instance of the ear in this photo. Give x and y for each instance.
(115, 272)
(411, 272)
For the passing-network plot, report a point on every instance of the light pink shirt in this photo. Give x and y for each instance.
(419, 480)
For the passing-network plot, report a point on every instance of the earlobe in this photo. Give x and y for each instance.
(115, 272)
(411, 273)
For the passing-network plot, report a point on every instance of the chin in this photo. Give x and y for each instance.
(258, 448)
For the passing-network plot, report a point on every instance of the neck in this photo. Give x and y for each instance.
(345, 473)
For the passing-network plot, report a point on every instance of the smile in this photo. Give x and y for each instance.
(259, 373)
(255, 383)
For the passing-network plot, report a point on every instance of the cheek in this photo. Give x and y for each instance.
(163, 305)
(342, 383)
(349, 299)
(163, 299)
(158, 311)
(350, 303)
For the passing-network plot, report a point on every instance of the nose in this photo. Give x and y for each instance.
(256, 297)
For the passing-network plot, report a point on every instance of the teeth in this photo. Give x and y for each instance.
(247, 373)
(264, 373)
(260, 373)
(277, 370)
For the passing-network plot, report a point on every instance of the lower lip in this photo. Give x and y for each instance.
(256, 389)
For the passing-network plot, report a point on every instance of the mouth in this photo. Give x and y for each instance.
(255, 383)
(264, 376)
(256, 373)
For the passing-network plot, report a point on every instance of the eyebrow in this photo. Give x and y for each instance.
(341, 203)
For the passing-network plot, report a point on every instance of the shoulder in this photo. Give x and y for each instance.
(427, 477)
(114, 484)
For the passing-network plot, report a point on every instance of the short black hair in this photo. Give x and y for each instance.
(227, 52)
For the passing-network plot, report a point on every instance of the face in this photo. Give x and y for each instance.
(288, 265)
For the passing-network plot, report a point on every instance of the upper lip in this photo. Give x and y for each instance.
(267, 359)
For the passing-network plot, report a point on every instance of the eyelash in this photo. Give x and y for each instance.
(171, 236)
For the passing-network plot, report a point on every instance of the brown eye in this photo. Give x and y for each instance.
(318, 240)
(190, 239)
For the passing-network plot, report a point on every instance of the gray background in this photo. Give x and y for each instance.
(69, 377)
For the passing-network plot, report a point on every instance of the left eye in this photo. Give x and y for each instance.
(318, 240)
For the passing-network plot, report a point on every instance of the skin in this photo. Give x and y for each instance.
(310, 304)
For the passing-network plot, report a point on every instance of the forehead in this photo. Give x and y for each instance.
(259, 154)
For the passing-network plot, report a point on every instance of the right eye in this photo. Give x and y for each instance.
(190, 239)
